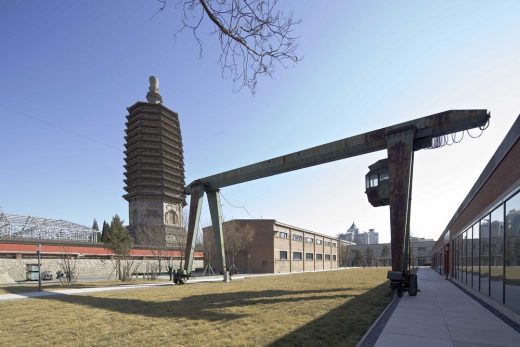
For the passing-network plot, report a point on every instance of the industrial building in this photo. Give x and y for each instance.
(275, 247)
(381, 254)
(480, 247)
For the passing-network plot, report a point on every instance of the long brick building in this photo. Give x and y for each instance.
(275, 247)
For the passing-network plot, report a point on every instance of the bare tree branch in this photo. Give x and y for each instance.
(237, 237)
(254, 36)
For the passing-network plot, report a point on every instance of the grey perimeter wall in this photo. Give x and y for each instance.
(86, 268)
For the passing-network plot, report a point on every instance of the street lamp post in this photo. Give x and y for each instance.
(38, 252)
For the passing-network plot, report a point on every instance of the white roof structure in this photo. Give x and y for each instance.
(36, 228)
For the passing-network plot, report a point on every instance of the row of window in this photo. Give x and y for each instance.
(486, 256)
(296, 237)
(308, 256)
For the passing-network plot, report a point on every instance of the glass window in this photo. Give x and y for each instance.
(309, 240)
(283, 255)
(476, 256)
(297, 237)
(460, 276)
(454, 257)
(319, 256)
(319, 242)
(469, 257)
(464, 257)
(309, 256)
(297, 255)
(283, 235)
(327, 256)
(496, 254)
(383, 176)
(334, 257)
(373, 181)
(484, 255)
(512, 252)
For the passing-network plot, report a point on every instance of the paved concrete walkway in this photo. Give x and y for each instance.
(443, 315)
(75, 291)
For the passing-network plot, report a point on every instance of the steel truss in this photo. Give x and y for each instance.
(28, 227)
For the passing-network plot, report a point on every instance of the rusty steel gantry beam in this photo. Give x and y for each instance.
(400, 140)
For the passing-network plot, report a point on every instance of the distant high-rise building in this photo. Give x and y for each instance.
(370, 237)
(373, 237)
(351, 235)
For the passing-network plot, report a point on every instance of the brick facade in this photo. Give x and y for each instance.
(278, 247)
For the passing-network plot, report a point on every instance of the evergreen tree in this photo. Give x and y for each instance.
(105, 232)
(95, 225)
(119, 241)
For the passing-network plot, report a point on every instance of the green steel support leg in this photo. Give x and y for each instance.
(216, 220)
(197, 197)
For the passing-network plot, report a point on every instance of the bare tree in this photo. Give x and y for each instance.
(254, 36)
(237, 237)
(208, 246)
(153, 237)
(68, 274)
(344, 252)
(385, 253)
(358, 257)
(369, 256)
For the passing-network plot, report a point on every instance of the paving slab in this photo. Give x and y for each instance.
(443, 315)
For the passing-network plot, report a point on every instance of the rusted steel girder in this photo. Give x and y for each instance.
(426, 128)
(400, 167)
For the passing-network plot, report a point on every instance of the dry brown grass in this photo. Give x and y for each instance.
(310, 309)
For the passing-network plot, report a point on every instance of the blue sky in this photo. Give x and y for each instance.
(69, 71)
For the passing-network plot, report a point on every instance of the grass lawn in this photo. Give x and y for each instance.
(308, 309)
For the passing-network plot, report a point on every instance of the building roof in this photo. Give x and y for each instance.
(274, 221)
(513, 135)
(28, 227)
(353, 228)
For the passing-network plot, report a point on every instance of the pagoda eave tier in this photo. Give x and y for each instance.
(154, 163)
(172, 198)
(167, 183)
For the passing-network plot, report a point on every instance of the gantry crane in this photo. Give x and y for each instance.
(400, 141)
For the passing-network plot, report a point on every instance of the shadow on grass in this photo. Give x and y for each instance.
(343, 326)
(209, 307)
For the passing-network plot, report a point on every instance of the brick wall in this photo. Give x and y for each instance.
(100, 267)
(501, 180)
